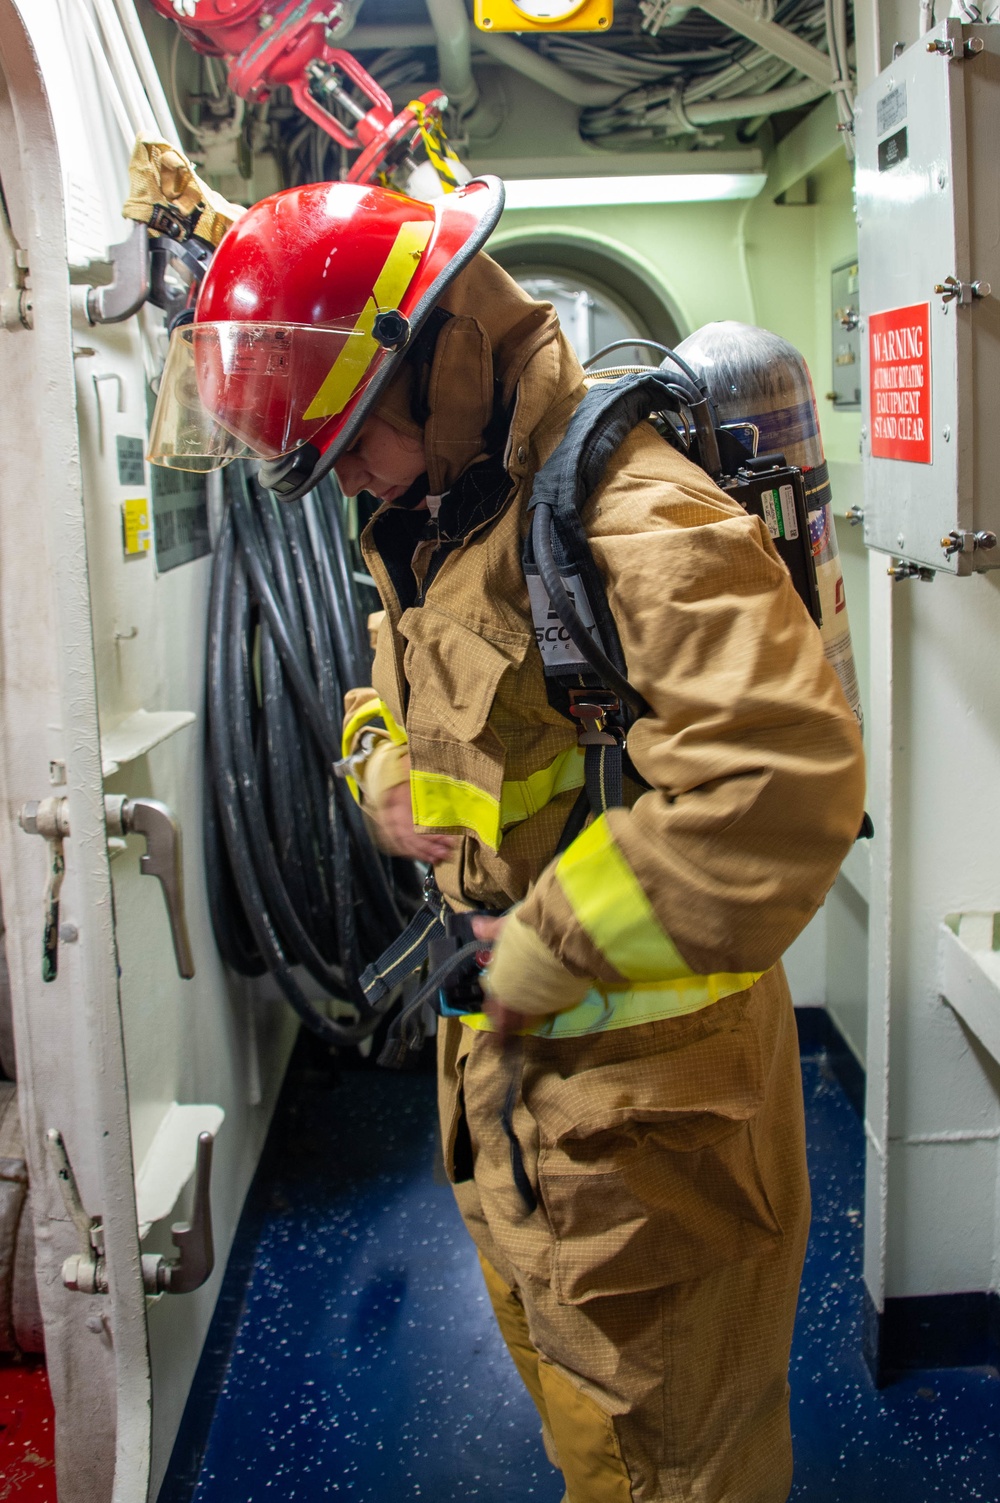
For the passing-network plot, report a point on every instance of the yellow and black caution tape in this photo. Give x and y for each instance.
(439, 153)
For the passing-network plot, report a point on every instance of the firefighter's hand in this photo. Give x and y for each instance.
(506, 1020)
(397, 834)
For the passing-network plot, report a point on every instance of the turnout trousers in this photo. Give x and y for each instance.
(640, 1204)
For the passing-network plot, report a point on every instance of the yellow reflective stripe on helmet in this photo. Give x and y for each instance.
(443, 802)
(346, 373)
(603, 1009)
(612, 909)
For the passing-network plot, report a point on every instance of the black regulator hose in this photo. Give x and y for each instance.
(293, 877)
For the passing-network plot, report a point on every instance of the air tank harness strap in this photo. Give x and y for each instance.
(602, 766)
(586, 674)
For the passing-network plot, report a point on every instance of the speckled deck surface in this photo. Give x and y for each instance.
(930, 1436)
(367, 1366)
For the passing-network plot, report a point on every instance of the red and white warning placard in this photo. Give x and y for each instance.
(899, 365)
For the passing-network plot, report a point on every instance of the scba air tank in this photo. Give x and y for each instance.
(756, 377)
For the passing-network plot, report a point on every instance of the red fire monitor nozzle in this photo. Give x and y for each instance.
(265, 46)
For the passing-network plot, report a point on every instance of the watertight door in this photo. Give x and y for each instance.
(70, 1058)
(104, 585)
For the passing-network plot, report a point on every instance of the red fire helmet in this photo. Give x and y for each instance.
(309, 303)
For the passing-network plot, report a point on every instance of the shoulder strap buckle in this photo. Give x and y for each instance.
(597, 711)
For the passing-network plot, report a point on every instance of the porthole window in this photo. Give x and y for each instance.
(599, 294)
(590, 320)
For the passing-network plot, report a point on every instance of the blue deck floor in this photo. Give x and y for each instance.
(367, 1367)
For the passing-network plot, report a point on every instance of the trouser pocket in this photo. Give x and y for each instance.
(652, 1203)
(648, 1170)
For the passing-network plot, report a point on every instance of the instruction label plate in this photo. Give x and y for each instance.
(891, 109)
(131, 467)
(779, 512)
(180, 517)
(893, 150)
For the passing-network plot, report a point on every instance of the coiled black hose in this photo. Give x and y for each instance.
(293, 877)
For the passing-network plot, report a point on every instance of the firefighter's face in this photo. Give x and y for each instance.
(381, 460)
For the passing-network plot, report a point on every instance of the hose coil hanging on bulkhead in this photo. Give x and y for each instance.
(293, 878)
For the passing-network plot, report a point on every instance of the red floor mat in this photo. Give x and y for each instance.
(27, 1433)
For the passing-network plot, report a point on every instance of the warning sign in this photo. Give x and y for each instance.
(899, 364)
(135, 526)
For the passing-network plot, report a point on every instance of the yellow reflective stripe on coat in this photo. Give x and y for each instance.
(603, 1009)
(396, 733)
(443, 802)
(369, 711)
(520, 799)
(372, 709)
(609, 904)
(346, 373)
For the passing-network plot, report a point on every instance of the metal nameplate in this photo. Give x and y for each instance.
(890, 111)
(892, 151)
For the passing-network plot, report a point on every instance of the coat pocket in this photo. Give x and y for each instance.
(456, 758)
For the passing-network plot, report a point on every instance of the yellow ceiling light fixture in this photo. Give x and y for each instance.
(544, 15)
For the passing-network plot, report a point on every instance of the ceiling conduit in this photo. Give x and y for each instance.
(557, 80)
(778, 40)
(788, 70)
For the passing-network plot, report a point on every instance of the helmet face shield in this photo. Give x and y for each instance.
(232, 389)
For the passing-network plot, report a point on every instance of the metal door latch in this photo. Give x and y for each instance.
(49, 818)
(87, 1272)
(17, 303)
(971, 47)
(163, 860)
(967, 542)
(963, 293)
(129, 287)
(192, 1239)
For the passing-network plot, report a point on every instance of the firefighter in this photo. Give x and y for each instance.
(623, 1125)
